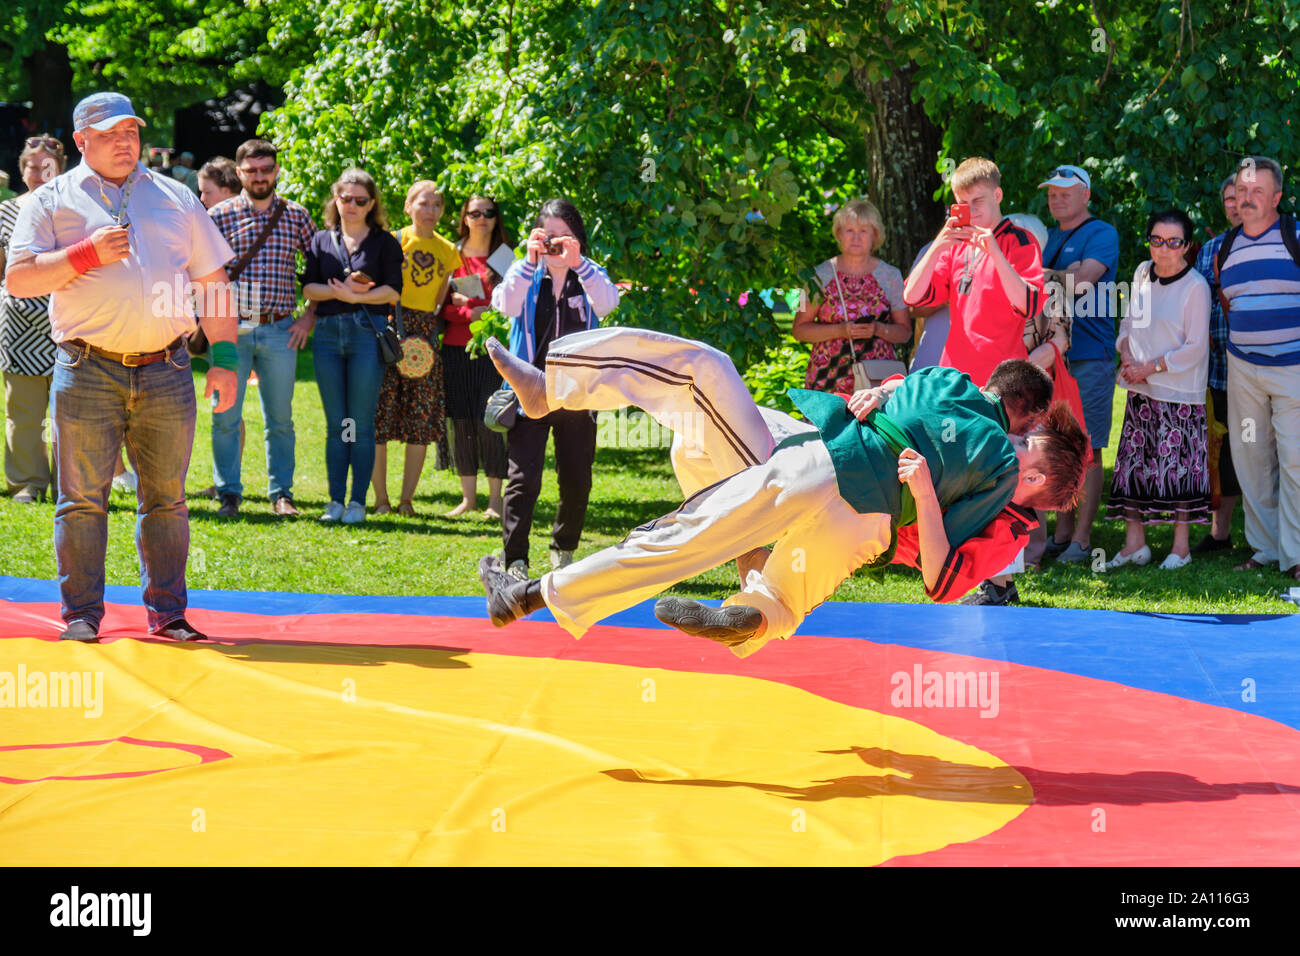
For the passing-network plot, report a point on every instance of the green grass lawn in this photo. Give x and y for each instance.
(432, 555)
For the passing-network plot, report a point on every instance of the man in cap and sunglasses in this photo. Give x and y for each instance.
(127, 257)
(1087, 250)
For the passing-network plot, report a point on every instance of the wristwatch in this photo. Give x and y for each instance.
(1162, 365)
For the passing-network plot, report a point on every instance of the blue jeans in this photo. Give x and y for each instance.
(266, 349)
(95, 405)
(349, 373)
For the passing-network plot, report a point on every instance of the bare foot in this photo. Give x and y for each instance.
(383, 507)
(528, 382)
(406, 508)
(492, 514)
(460, 509)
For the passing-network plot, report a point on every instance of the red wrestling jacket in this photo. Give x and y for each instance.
(978, 559)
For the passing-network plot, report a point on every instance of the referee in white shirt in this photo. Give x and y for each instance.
(120, 249)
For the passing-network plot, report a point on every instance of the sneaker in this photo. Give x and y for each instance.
(355, 514)
(1075, 553)
(126, 481)
(229, 506)
(730, 625)
(506, 595)
(560, 559)
(24, 497)
(180, 630)
(989, 594)
(1054, 547)
(518, 569)
(333, 513)
(1210, 544)
(1174, 561)
(1140, 557)
(82, 631)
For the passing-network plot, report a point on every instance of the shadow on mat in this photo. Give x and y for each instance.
(351, 655)
(936, 779)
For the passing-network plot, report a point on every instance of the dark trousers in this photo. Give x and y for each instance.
(575, 450)
(1228, 484)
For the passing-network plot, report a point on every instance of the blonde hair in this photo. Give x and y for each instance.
(860, 211)
(419, 186)
(974, 170)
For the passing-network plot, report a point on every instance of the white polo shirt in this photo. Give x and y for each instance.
(138, 304)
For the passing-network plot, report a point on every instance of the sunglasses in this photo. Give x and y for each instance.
(1068, 173)
(48, 142)
(1156, 242)
(257, 170)
(480, 214)
(353, 200)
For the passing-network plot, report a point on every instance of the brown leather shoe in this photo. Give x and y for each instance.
(229, 506)
(1250, 564)
(284, 507)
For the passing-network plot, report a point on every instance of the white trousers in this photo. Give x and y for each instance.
(1264, 432)
(745, 496)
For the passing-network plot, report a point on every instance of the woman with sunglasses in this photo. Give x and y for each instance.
(471, 381)
(354, 275)
(1162, 463)
(411, 402)
(26, 348)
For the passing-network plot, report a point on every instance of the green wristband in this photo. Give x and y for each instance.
(225, 355)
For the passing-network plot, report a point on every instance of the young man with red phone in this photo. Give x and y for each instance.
(989, 271)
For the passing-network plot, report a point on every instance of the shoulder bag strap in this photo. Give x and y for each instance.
(1061, 247)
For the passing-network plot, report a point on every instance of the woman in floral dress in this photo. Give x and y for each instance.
(1162, 463)
(858, 312)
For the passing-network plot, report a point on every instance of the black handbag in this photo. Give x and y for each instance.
(390, 346)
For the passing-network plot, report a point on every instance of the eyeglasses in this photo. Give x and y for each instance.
(353, 200)
(46, 142)
(1156, 242)
(480, 214)
(257, 170)
(1068, 173)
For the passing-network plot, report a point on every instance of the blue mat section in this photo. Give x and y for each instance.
(1209, 658)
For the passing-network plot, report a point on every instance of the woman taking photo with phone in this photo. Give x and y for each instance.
(554, 290)
(471, 381)
(354, 275)
(411, 399)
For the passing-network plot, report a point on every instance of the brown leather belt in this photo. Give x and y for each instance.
(129, 359)
(266, 318)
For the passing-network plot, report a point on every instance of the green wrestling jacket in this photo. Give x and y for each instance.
(961, 432)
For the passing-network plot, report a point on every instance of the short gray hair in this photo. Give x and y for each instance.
(1251, 164)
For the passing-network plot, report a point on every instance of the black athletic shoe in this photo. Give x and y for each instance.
(180, 630)
(727, 625)
(1210, 543)
(82, 631)
(989, 594)
(506, 596)
(1054, 548)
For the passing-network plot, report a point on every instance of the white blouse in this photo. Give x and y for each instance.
(1170, 318)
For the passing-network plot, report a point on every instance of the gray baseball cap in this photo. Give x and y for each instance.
(103, 111)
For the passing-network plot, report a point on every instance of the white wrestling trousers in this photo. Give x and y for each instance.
(742, 496)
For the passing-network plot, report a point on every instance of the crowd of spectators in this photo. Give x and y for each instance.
(1208, 344)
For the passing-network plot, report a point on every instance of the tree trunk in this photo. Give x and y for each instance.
(49, 84)
(902, 149)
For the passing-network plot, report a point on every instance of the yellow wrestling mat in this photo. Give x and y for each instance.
(329, 753)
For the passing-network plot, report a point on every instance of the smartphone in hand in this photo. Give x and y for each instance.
(961, 212)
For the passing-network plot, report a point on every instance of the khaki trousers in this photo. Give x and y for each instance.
(27, 454)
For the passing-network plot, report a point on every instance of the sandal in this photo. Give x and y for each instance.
(1250, 564)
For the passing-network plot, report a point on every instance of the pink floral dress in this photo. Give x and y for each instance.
(864, 300)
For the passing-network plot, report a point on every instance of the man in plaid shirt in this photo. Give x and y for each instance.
(1219, 538)
(268, 335)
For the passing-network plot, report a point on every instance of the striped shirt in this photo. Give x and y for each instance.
(1262, 285)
